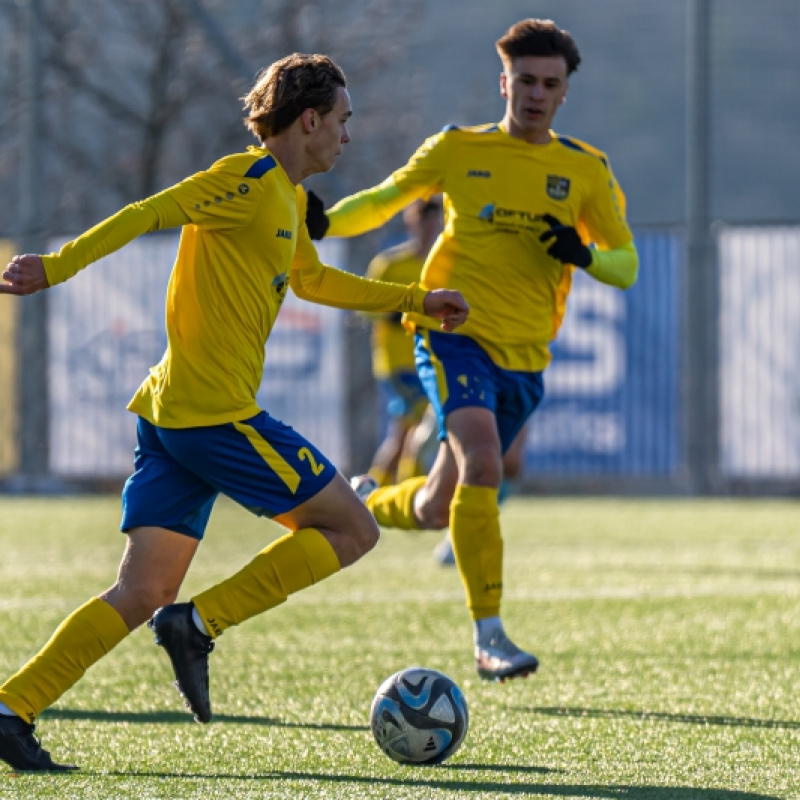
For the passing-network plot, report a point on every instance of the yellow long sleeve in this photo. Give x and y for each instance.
(333, 287)
(156, 213)
(368, 209)
(618, 267)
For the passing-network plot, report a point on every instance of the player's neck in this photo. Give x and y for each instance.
(289, 156)
(538, 136)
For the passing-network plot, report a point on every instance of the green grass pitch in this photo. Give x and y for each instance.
(668, 631)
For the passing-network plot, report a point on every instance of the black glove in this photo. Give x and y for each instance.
(316, 219)
(567, 246)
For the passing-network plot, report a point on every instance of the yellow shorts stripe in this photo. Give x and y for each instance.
(281, 468)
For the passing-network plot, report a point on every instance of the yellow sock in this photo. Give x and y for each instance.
(393, 506)
(286, 566)
(407, 467)
(83, 638)
(381, 476)
(478, 546)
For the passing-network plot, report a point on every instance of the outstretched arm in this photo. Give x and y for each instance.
(329, 286)
(358, 213)
(30, 273)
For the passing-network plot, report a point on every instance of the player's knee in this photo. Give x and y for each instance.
(362, 535)
(483, 467)
(368, 535)
(432, 510)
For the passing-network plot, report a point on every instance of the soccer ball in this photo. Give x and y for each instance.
(419, 716)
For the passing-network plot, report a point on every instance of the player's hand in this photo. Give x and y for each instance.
(316, 219)
(447, 305)
(24, 275)
(567, 245)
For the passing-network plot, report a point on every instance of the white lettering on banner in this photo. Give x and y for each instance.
(592, 353)
(594, 432)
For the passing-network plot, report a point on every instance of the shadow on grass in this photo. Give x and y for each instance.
(483, 788)
(692, 719)
(462, 767)
(175, 717)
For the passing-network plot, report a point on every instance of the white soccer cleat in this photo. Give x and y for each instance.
(497, 658)
(363, 486)
(443, 553)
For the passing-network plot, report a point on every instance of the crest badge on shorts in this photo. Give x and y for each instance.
(557, 187)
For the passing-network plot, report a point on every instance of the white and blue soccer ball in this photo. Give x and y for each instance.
(419, 716)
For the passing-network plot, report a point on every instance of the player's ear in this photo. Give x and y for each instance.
(504, 85)
(310, 119)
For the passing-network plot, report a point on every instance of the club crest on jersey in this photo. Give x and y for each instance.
(281, 284)
(557, 187)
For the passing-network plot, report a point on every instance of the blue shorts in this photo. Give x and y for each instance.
(406, 395)
(457, 372)
(262, 464)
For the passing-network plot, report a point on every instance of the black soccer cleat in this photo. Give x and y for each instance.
(21, 749)
(188, 651)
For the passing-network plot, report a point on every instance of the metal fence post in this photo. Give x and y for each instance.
(702, 280)
(32, 391)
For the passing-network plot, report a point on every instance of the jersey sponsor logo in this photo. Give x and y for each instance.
(557, 187)
(282, 233)
(512, 220)
(515, 215)
(479, 173)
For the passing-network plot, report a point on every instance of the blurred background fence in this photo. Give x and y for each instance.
(686, 383)
(615, 414)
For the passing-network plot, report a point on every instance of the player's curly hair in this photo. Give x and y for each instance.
(284, 90)
(538, 37)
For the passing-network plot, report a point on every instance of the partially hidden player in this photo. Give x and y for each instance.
(397, 456)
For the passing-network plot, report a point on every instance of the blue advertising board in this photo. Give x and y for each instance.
(612, 392)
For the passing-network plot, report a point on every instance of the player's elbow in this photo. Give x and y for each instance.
(301, 283)
(630, 276)
(631, 263)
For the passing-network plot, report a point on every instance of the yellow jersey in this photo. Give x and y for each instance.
(392, 343)
(244, 242)
(496, 190)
